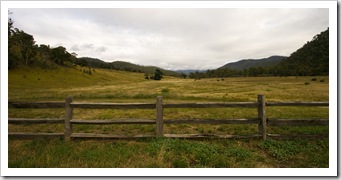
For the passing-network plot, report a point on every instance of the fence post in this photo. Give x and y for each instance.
(262, 126)
(68, 117)
(159, 117)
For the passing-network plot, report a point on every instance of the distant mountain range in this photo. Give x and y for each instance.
(245, 64)
(249, 63)
(311, 59)
(127, 66)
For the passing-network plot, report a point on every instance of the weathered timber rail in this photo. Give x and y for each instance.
(262, 121)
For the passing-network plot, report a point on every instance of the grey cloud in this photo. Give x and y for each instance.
(101, 49)
(75, 48)
(87, 46)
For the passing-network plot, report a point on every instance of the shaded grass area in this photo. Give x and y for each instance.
(168, 153)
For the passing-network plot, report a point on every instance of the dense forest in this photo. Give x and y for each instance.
(22, 50)
(310, 60)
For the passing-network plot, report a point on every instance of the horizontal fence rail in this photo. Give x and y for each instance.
(262, 121)
(96, 136)
(213, 105)
(298, 122)
(212, 121)
(35, 121)
(39, 105)
(297, 104)
(201, 136)
(113, 105)
(28, 135)
(114, 121)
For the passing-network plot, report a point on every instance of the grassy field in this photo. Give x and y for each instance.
(35, 84)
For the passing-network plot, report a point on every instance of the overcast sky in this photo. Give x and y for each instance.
(174, 38)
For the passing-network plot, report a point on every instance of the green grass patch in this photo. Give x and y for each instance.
(167, 153)
(291, 153)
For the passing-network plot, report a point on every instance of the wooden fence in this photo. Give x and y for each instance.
(262, 121)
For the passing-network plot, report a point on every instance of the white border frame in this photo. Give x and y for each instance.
(331, 171)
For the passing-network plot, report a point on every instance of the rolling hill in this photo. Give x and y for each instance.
(124, 66)
(249, 63)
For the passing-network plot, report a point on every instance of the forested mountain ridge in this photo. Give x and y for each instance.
(310, 60)
(248, 63)
(123, 66)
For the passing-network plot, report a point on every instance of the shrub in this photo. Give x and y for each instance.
(322, 80)
(306, 83)
(158, 74)
(314, 79)
(146, 76)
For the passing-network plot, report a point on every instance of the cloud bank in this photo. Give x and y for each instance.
(174, 38)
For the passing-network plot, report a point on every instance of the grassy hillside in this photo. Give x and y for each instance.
(29, 83)
(66, 77)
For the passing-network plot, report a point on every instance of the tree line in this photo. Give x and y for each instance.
(23, 50)
(220, 73)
